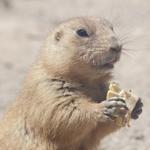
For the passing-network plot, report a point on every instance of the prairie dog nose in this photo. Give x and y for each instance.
(116, 45)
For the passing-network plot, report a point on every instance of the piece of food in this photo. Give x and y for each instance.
(130, 99)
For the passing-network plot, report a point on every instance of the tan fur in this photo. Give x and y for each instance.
(60, 105)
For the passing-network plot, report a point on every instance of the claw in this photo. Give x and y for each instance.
(115, 107)
(137, 109)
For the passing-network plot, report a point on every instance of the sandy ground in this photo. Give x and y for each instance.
(24, 24)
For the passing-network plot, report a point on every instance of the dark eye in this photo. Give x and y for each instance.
(82, 33)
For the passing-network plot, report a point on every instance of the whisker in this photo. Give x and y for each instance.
(123, 38)
(128, 54)
(130, 49)
(130, 39)
(94, 50)
(125, 35)
(126, 42)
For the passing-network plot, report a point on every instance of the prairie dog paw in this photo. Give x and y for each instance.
(114, 108)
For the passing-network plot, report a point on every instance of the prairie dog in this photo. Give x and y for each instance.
(62, 105)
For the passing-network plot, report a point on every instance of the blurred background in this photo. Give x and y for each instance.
(24, 25)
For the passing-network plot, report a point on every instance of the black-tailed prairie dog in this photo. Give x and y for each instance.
(63, 105)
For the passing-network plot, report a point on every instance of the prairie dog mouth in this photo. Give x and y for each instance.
(105, 61)
(108, 66)
(110, 63)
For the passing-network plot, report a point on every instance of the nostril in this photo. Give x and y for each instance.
(116, 48)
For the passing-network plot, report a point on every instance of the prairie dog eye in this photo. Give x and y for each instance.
(82, 33)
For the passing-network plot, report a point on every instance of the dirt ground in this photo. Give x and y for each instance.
(24, 24)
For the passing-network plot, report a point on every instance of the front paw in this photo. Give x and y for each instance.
(114, 108)
(137, 110)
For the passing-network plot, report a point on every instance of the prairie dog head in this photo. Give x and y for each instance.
(85, 46)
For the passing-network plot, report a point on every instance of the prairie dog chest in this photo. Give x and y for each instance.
(66, 89)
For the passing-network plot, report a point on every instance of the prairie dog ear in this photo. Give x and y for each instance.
(58, 35)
